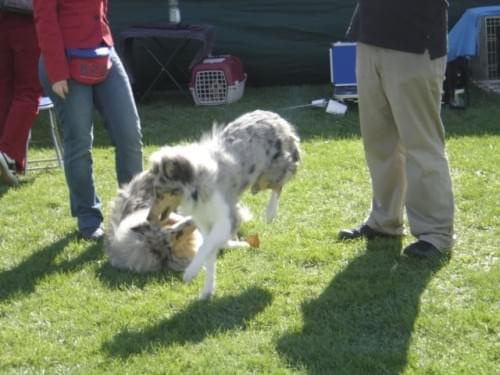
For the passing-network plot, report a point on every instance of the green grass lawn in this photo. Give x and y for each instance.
(304, 302)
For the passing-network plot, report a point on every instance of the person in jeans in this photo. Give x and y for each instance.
(400, 66)
(20, 91)
(70, 24)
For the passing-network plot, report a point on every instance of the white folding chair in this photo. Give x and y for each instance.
(46, 163)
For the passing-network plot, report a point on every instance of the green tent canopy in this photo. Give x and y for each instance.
(279, 42)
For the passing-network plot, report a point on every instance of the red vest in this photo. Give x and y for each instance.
(62, 24)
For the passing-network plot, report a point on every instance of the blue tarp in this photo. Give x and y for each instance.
(463, 39)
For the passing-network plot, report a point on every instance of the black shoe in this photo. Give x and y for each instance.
(8, 170)
(363, 231)
(422, 249)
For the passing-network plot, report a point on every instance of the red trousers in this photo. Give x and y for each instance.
(20, 87)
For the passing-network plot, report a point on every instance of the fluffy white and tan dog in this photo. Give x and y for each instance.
(206, 179)
(133, 243)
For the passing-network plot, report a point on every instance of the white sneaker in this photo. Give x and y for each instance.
(96, 235)
(8, 170)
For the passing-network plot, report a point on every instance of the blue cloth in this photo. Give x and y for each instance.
(463, 39)
(114, 100)
(88, 53)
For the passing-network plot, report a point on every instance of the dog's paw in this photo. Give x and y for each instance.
(231, 244)
(206, 294)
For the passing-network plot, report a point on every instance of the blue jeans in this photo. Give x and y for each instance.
(113, 99)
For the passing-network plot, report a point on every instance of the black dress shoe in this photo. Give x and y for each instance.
(422, 249)
(363, 231)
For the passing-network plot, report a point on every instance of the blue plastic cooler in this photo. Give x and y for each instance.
(343, 70)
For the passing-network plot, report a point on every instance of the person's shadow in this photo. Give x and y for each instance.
(199, 320)
(363, 321)
(22, 279)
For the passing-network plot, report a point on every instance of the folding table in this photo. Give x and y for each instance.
(179, 36)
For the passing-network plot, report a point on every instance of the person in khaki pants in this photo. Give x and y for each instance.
(400, 66)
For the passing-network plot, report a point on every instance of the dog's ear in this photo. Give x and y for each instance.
(141, 228)
(155, 160)
(178, 168)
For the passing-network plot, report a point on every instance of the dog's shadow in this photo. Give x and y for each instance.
(116, 278)
(23, 278)
(199, 320)
(363, 321)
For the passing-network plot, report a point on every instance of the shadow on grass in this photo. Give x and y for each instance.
(23, 181)
(23, 278)
(363, 321)
(3, 189)
(115, 278)
(199, 320)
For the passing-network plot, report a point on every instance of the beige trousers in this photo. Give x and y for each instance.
(403, 137)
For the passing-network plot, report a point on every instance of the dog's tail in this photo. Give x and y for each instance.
(115, 217)
(212, 139)
(136, 195)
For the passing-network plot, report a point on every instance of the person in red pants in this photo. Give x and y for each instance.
(20, 91)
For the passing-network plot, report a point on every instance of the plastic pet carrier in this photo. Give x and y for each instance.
(217, 80)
